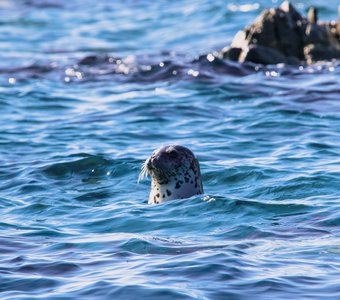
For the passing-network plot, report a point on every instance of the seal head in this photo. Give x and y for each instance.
(175, 174)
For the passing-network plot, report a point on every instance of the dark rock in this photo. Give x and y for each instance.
(282, 35)
(317, 52)
(231, 53)
(317, 34)
(262, 55)
(312, 15)
(338, 25)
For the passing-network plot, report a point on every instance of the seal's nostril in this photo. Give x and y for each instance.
(153, 162)
(149, 164)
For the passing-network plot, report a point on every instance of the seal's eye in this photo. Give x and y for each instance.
(173, 153)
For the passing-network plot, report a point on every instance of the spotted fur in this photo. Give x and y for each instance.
(175, 174)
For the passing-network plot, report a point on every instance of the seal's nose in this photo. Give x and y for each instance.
(154, 162)
(149, 164)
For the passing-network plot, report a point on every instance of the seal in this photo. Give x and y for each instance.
(175, 174)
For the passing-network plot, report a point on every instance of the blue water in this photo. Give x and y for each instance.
(89, 88)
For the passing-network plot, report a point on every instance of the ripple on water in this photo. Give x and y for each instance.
(90, 89)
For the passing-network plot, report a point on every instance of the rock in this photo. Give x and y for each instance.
(262, 55)
(338, 26)
(283, 35)
(317, 52)
(231, 53)
(316, 34)
(312, 15)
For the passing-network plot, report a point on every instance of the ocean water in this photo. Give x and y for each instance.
(88, 89)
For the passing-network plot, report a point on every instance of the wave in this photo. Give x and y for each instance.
(150, 69)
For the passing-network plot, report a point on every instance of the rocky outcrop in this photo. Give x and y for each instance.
(283, 35)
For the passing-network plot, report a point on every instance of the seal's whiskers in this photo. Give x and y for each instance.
(144, 172)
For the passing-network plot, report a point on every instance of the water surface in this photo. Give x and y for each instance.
(90, 88)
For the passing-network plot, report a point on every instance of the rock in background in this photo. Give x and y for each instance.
(282, 35)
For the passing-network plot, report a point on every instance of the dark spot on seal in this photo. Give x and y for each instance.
(163, 195)
(178, 184)
(168, 192)
(186, 179)
(157, 195)
(191, 182)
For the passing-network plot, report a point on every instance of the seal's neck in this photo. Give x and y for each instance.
(177, 188)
